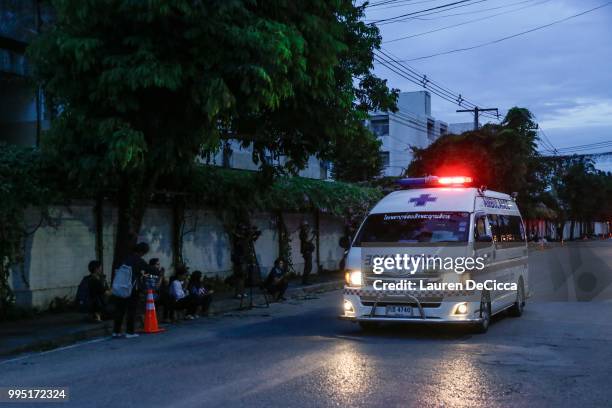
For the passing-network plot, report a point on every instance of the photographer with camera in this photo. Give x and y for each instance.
(243, 256)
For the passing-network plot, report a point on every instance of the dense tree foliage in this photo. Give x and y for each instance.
(25, 181)
(502, 157)
(580, 192)
(142, 88)
(358, 160)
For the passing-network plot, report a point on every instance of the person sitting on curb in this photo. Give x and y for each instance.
(92, 292)
(178, 298)
(277, 282)
(162, 287)
(200, 296)
(98, 292)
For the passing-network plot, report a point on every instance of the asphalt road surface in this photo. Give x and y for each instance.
(298, 354)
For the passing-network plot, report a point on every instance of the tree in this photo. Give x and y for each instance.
(582, 191)
(362, 162)
(144, 88)
(502, 157)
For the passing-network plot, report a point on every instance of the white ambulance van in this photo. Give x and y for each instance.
(442, 218)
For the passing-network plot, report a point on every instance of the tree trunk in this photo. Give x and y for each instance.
(132, 200)
(178, 226)
(572, 223)
(560, 231)
(99, 227)
(318, 242)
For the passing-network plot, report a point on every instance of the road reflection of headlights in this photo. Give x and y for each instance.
(353, 278)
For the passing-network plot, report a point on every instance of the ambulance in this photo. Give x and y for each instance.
(438, 219)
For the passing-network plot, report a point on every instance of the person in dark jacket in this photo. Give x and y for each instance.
(98, 290)
(277, 282)
(307, 247)
(200, 296)
(127, 307)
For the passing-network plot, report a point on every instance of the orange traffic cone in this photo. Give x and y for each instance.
(150, 320)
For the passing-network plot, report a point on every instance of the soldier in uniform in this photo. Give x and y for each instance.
(243, 256)
(307, 247)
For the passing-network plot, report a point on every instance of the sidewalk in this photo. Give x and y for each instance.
(51, 331)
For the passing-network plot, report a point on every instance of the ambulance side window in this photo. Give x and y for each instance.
(495, 228)
(480, 228)
(506, 228)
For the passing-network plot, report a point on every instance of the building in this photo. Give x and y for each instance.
(22, 109)
(458, 128)
(411, 126)
(233, 155)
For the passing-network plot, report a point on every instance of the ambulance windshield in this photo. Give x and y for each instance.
(414, 228)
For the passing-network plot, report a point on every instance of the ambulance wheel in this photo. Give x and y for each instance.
(485, 314)
(368, 326)
(517, 309)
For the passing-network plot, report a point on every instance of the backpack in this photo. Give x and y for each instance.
(122, 284)
(82, 295)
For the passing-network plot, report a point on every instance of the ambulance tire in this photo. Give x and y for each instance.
(485, 314)
(516, 310)
(369, 326)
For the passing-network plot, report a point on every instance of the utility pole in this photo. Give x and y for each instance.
(476, 111)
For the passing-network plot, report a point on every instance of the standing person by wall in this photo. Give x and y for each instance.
(243, 255)
(307, 247)
(127, 306)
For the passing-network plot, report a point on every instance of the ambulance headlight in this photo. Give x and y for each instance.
(354, 278)
(348, 306)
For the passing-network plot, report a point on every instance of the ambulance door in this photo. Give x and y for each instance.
(483, 248)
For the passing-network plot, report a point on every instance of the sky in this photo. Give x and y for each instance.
(562, 73)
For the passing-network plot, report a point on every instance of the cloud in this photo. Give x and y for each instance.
(561, 73)
(583, 112)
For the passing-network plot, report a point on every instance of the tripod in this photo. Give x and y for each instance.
(252, 268)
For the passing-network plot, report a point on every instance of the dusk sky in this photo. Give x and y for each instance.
(561, 73)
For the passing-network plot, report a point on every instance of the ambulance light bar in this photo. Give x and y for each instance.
(434, 181)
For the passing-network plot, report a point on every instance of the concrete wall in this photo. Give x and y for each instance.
(56, 256)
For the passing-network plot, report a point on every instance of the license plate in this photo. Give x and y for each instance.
(399, 311)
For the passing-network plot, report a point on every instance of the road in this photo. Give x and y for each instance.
(297, 354)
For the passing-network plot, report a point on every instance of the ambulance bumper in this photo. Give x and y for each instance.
(359, 307)
(415, 320)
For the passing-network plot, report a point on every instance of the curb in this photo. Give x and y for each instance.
(218, 308)
(231, 305)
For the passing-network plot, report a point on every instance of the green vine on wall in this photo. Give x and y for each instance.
(284, 243)
(23, 184)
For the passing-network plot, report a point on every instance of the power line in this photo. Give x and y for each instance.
(601, 154)
(590, 146)
(443, 6)
(507, 37)
(467, 22)
(403, 3)
(478, 11)
(382, 3)
(389, 61)
(458, 101)
(420, 14)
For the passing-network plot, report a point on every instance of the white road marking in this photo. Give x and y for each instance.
(12, 360)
